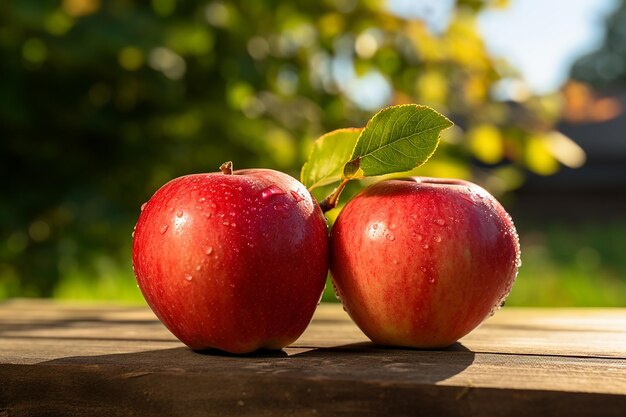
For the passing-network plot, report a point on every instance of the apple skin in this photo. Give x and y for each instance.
(233, 262)
(421, 262)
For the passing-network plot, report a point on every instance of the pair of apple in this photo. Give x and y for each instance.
(238, 260)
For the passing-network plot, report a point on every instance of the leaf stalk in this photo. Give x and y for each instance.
(331, 201)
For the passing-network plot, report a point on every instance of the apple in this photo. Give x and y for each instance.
(235, 261)
(421, 262)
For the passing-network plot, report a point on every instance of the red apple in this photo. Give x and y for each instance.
(235, 261)
(421, 262)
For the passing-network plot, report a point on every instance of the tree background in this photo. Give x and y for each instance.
(102, 102)
(605, 67)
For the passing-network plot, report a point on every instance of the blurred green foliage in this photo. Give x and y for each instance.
(565, 264)
(102, 102)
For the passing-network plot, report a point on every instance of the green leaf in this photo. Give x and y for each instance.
(396, 139)
(328, 157)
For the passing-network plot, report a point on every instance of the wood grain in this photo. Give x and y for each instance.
(61, 359)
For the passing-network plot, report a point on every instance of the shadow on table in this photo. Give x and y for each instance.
(359, 360)
(357, 379)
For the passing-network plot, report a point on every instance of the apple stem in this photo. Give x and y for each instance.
(331, 201)
(227, 168)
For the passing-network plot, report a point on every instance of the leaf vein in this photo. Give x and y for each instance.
(407, 137)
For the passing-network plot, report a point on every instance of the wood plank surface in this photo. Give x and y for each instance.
(62, 359)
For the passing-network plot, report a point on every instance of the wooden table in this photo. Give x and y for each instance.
(71, 360)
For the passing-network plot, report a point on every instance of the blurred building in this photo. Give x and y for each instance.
(597, 123)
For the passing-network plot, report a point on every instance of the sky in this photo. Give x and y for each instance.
(540, 38)
(543, 38)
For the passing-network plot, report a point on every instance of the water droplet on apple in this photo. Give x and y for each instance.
(470, 200)
(239, 188)
(201, 200)
(417, 236)
(188, 277)
(425, 246)
(395, 262)
(233, 225)
(206, 214)
(226, 223)
(163, 229)
(143, 206)
(431, 279)
(413, 216)
(423, 268)
(282, 208)
(376, 231)
(179, 214)
(297, 197)
(198, 267)
(437, 238)
(209, 250)
(336, 290)
(440, 222)
(498, 305)
(270, 191)
(390, 237)
(132, 234)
